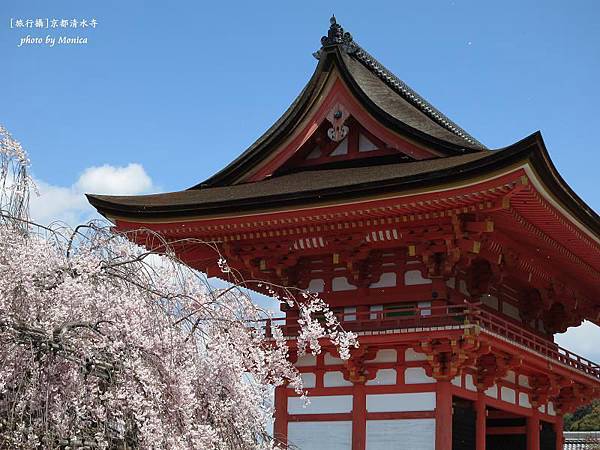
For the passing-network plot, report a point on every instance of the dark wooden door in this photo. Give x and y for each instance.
(506, 442)
(463, 425)
(547, 437)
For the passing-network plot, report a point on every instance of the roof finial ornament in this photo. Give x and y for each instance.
(336, 36)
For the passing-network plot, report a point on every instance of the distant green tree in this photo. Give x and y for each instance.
(586, 418)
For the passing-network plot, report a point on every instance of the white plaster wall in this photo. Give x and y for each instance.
(323, 404)
(306, 361)
(414, 401)
(386, 355)
(316, 285)
(469, 383)
(510, 376)
(411, 355)
(507, 394)
(492, 391)
(524, 400)
(524, 381)
(309, 379)
(384, 377)
(387, 279)
(341, 284)
(364, 144)
(331, 360)
(413, 434)
(414, 277)
(341, 149)
(417, 375)
(335, 379)
(320, 435)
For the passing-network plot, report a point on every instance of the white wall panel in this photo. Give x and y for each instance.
(320, 435)
(331, 360)
(414, 401)
(510, 376)
(316, 285)
(308, 379)
(492, 391)
(413, 434)
(306, 361)
(324, 404)
(411, 355)
(508, 394)
(524, 400)
(469, 384)
(384, 377)
(414, 277)
(524, 381)
(417, 375)
(387, 279)
(364, 144)
(341, 284)
(387, 355)
(341, 149)
(335, 379)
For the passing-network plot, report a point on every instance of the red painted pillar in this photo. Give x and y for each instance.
(359, 417)
(481, 414)
(558, 429)
(281, 417)
(443, 416)
(533, 432)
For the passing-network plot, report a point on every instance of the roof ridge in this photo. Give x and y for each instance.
(337, 36)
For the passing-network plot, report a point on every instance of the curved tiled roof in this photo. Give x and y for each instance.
(388, 98)
(347, 44)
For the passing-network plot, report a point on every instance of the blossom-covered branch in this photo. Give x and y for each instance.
(107, 344)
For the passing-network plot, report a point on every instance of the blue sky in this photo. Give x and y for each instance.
(166, 93)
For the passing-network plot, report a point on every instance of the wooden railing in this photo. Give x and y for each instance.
(415, 317)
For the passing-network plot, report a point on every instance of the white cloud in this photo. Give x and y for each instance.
(58, 203)
(68, 203)
(582, 340)
(129, 180)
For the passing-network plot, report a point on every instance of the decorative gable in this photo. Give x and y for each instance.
(356, 143)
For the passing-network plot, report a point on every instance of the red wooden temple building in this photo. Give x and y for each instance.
(455, 264)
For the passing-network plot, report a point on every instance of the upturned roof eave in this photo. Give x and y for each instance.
(530, 149)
